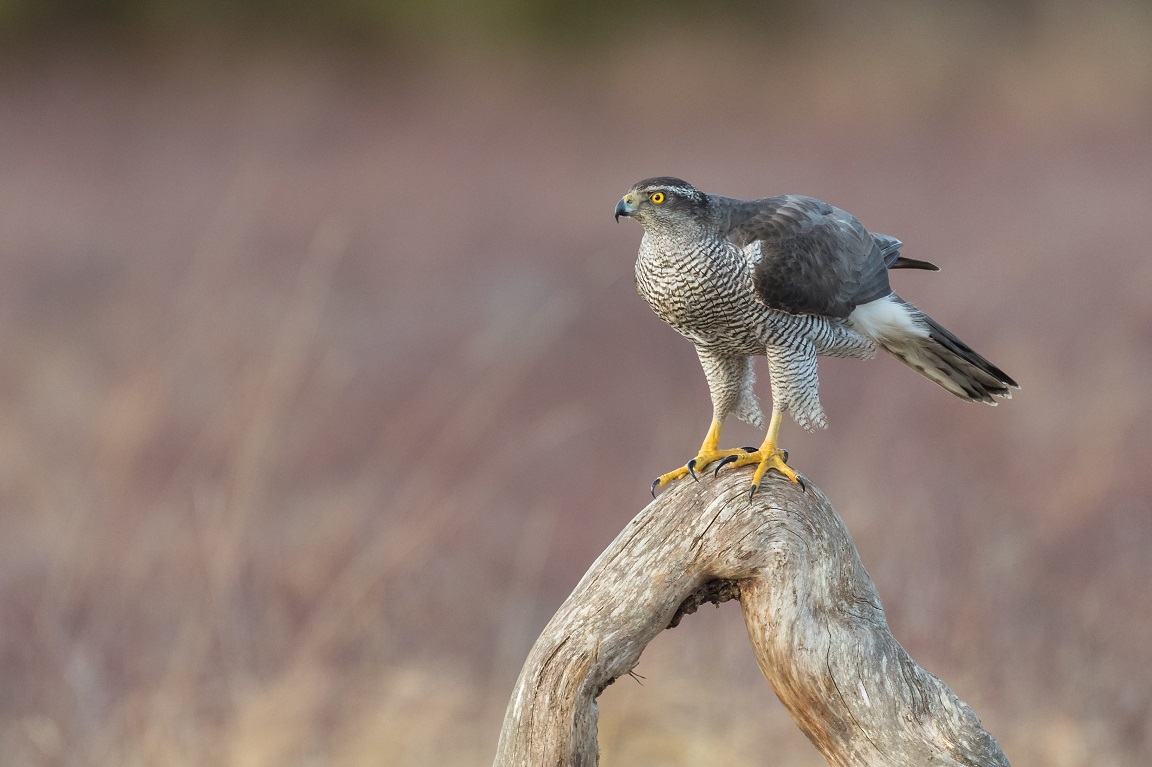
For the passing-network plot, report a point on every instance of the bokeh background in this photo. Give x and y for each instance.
(324, 378)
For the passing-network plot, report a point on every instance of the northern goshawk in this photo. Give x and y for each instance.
(788, 277)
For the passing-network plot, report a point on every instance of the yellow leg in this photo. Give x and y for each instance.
(712, 438)
(767, 457)
(709, 453)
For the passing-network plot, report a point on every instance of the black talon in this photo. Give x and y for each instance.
(784, 454)
(655, 482)
(801, 481)
(749, 449)
(691, 466)
(725, 461)
(752, 492)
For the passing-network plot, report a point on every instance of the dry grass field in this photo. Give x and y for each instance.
(324, 379)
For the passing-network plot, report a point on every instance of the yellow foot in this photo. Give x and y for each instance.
(765, 459)
(702, 460)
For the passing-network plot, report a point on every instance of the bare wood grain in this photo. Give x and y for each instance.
(813, 616)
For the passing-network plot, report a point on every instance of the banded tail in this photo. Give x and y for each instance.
(924, 345)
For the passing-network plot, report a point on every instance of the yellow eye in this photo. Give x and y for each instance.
(657, 197)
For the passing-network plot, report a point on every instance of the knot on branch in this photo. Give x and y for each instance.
(716, 591)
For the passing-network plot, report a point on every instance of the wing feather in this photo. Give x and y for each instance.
(814, 257)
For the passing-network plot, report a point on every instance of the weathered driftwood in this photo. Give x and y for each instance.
(812, 612)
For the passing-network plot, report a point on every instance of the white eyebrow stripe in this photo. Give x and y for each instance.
(682, 191)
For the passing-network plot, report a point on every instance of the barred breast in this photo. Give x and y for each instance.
(706, 294)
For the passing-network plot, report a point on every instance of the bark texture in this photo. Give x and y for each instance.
(813, 616)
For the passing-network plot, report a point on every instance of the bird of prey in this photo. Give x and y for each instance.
(790, 278)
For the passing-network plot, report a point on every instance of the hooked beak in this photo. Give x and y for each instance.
(624, 207)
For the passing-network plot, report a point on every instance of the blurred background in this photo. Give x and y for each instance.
(324, 377)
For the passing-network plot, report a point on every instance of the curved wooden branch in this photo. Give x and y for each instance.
(812, 612)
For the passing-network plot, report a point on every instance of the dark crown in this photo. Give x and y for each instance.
(664, 181)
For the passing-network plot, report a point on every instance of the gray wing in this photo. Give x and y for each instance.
(813, 258)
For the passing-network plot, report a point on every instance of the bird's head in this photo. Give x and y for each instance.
(663, 201)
